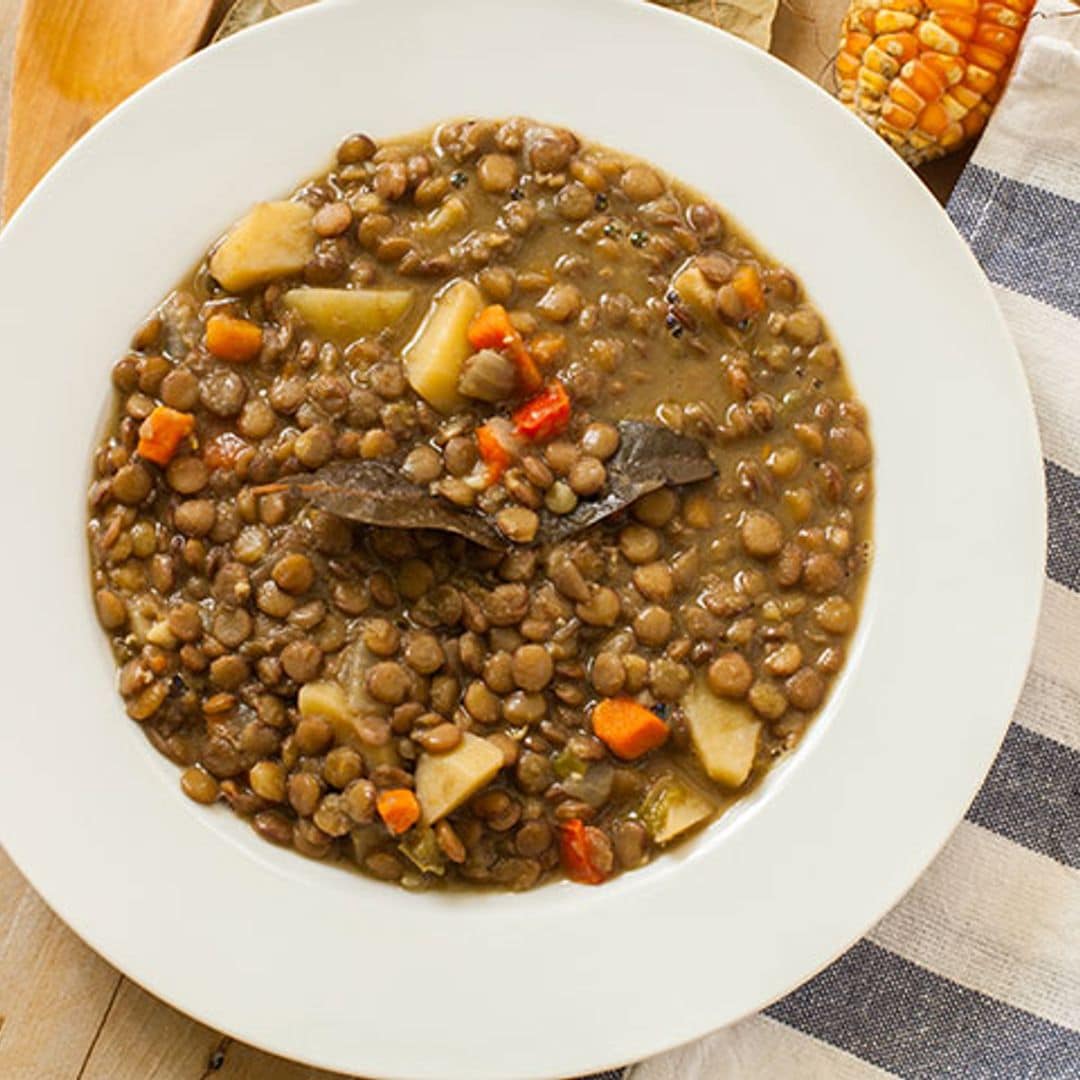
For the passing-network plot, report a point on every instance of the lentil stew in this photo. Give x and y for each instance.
(550, 345)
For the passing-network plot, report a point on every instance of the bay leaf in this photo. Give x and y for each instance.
(374, 493)
(649, 457)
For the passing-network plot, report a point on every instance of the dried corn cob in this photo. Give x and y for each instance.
(925, 74)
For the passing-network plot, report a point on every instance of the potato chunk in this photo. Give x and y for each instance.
(445, 781)
(434, 358)
(724, 733)
(343, 315)
(275, 238)
(671, 807)
(449, 215)
(328, 700)
(695, 291)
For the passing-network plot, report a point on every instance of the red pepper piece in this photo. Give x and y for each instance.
(574, 851)
(544, 416)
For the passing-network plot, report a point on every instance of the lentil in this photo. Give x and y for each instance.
(532, 667)
(587, 476)
(388, 682)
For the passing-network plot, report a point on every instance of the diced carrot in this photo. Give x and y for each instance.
(747, 283)
(528, 373)
(228, 338)
(544, 416)
(162, 432)
(492, 329)
(575, 855)
(492, 452)
(628, 729)
(399, 809)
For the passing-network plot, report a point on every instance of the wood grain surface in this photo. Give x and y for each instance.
(75, 61)
(65, 1014)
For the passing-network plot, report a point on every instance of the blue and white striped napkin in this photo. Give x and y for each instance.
(976, 973)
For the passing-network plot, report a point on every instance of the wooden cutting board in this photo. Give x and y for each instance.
(77, 59)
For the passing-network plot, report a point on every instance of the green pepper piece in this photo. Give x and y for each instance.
(567, 763)
(422, 849)
(655, 807)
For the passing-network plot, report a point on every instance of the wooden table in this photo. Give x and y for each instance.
(65, 1014)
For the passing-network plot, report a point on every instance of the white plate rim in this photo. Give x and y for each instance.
(33, 844)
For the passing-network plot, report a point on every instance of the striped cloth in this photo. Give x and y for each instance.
(976, 973)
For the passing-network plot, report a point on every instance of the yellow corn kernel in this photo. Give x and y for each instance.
(856, 43)
(867, 103)
(913, 7)
(974, 121)
(847, 66)
(938, 38)
(902, 47)
(1003, 16)
(999, 38)
(863, 18)
(952, 136)
(923, 80)
(950, 69)
(953, 108)
(984, 57)
(872, 82)
(979, 79)
(964, 7)
(968, 99)
(960, 26)
(876, 59)
(933, 120)
(889, 22)
(900, 118)
(906, 98)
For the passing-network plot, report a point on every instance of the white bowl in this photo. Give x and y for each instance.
(342, 972)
